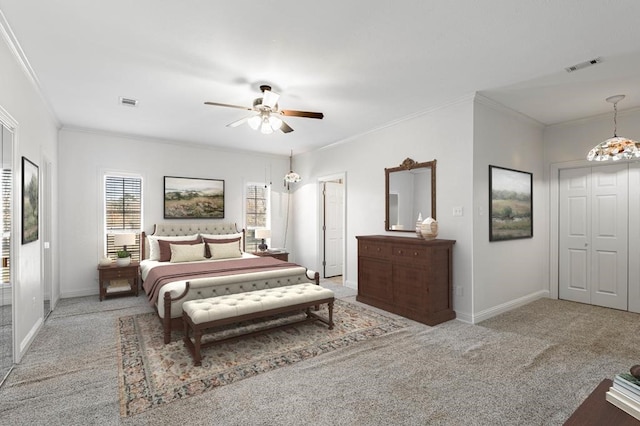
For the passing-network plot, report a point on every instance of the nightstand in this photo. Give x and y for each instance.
(282, 255)
(117, 280)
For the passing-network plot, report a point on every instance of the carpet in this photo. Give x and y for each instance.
(153, 374)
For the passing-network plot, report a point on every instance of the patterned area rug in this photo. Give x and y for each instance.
(153, 374)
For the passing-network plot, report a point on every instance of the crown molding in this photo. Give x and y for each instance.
(16, 50)
(495, 105)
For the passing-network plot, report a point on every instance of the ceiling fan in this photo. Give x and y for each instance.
(266, 113)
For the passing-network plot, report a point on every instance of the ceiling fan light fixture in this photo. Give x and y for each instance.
(254, 122)
(265, 127)
(617, 147)
(275, 122)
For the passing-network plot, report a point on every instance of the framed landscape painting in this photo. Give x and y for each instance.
(191, 198)
(30, 190)
(510, 204)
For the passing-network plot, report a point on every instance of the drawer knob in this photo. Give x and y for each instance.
(415, 253)
(378, 249)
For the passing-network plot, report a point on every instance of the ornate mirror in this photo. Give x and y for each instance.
(410, 190)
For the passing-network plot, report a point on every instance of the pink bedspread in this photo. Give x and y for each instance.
(161, 275)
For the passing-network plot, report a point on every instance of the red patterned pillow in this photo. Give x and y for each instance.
(207, 252)
(165, 247)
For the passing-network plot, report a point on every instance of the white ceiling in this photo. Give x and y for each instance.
(363, 63)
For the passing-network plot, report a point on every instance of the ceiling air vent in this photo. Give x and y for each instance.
(128, 102)
(582, 65)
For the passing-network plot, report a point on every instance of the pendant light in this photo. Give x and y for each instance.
(617, 147)
(291, 177)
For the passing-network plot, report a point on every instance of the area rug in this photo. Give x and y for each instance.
(153, 374)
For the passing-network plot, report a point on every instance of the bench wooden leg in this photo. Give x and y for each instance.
(197, 337)
(330, 305)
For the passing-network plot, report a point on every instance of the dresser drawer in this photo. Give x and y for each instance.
(416, 256)
(374, 249)
(116, 273)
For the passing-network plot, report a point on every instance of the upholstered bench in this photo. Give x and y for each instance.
(200, 315)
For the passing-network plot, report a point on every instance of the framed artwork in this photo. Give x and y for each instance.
(30, 194)
(192, 198)
(510, 204)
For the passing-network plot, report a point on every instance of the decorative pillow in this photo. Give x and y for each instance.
(224, 250)
(236, 240)
(222, 236)
(165, 247)
(154, 248)
(186, 253)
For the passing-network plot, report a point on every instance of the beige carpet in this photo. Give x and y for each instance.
(531, 366)
(154, 374)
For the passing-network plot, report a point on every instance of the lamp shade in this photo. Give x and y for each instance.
(263, 233)
(124, 239)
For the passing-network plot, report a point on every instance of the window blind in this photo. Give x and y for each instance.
(123, 211)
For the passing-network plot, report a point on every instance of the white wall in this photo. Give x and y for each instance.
(444, 134)
(85, 156)
(35, 138)
(507, 273)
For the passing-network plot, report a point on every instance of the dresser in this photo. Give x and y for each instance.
(408, 276)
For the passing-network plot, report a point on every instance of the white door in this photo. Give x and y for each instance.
(593, 235)
(333, 228)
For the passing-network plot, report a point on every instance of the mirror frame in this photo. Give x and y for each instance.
(408, 164)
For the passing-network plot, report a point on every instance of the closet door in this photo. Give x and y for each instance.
(574, 226)
(593, 235)
(634, 237)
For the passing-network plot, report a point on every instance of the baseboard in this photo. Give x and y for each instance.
(351, 284)
(466, 318)
(79, 293)
(506, 307)
(26, 342)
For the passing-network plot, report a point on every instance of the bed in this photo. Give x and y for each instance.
(182, 262)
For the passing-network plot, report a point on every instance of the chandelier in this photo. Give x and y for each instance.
(291, 177)
(617, 147)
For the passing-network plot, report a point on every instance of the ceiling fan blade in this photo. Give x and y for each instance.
(286, 128)
(229, 106)
(270, 99)
(306, 114)
(239, 122)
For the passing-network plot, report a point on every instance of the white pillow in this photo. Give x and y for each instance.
(154, 247)
(224, 250)
(186, 253)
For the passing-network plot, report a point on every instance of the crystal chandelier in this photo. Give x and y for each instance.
(617, 147)
(291, 177)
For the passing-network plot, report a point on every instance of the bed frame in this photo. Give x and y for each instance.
(169, 307)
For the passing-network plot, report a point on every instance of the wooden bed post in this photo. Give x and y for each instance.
(166, 321)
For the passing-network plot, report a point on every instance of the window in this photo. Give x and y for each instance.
(6, 225)
(257, 212)
(123, 211)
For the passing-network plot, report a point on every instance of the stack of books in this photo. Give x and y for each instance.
(625, 394)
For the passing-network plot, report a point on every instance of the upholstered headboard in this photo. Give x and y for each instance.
(176, 229)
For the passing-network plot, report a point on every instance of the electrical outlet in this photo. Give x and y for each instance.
(457, 211)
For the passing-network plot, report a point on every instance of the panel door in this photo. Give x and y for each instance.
(593, 235)
(333, 223)
(574, 224)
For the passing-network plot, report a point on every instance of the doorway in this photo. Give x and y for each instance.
(593, 235)
(332, 218)
(47, 255)
(7, 313)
